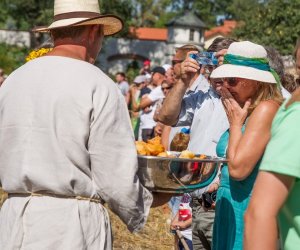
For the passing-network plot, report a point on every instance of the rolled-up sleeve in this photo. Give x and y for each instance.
(114, 160)
(189, 105)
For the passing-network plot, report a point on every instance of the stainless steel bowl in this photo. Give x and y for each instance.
(177, 175)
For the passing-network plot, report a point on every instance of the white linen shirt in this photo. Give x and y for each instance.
(65, 129)
(205, 114)
(200, 84)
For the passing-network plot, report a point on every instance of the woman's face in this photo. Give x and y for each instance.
(241, 89)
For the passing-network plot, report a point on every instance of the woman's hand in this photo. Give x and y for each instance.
(188, 68)
(236, 115)
(220, 55)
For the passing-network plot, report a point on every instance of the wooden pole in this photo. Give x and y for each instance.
(186, 247)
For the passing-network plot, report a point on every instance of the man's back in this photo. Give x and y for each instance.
(61, 120)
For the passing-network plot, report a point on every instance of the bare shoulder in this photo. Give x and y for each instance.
(265, 111)
(266, 107)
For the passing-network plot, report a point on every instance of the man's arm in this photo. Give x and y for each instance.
(145, 102)
(172, 105)
(270, 192)
(170, 110)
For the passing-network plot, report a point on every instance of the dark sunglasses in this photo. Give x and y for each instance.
(231, 81)
(165, 88)
(174, 62)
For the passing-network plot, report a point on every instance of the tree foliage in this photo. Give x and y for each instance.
(11, 57)
(268, 22)
(121, 8)
(275, 23)
(26, 14)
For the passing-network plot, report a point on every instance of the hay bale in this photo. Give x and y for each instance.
(154, 236)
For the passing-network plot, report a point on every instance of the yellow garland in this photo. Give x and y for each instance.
(37, 53)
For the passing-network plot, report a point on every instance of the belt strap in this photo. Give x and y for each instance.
(77, 197)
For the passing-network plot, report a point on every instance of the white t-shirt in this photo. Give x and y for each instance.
(147, 121)
(187, 232)
(124, 87)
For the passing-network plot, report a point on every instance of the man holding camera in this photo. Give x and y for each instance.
(204, 113)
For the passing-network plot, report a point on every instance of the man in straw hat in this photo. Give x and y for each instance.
(66, 144)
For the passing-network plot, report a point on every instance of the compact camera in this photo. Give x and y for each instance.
(209, 198)
(205, 58)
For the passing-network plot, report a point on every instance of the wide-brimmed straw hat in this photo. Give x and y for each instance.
(246, 60)
(79, 12)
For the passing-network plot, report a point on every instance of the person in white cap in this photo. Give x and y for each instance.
(66, 144)
(251, 96)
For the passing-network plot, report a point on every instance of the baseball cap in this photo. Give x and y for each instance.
(139, 79)
(146, 62)
(159, 70)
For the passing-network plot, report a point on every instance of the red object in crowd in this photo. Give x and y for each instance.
(147, 62)
(185, 212)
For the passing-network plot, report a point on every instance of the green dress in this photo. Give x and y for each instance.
(232, 201)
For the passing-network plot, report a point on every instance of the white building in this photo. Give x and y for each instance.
(157, 45)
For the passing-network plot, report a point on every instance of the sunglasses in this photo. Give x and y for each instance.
(231, 81)
(166, 88)
(174, 62)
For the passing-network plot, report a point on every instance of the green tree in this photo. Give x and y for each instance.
(241, 9)
(11, 57)
(28, 13)
(275, 23)
(121, 8)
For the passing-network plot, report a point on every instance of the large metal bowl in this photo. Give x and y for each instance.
(177, 175)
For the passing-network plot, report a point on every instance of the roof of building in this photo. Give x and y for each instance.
(145, 33)
(161, 34)
(188, 19)
(223, 30)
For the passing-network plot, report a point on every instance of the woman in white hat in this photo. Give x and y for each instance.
(251, 98)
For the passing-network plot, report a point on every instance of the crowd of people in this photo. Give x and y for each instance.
(228, 111)
(67, 144)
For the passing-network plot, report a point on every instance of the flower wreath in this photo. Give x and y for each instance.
(37, 53)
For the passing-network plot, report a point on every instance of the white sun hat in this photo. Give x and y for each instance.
(246, 60)
(81, 12)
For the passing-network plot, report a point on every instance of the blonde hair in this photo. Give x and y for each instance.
(266, 91)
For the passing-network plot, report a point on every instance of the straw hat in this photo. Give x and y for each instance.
(81, 12)
(246, 60)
